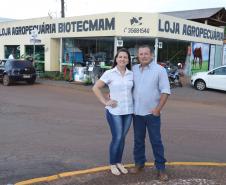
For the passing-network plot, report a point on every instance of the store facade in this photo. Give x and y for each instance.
(56, 43)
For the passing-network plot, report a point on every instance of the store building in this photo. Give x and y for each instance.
(56, 43)
(210, 16)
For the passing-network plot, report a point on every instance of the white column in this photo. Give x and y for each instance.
(115, 46)
(22, 51)
(190, 61)
(61, 53)
(156, 50)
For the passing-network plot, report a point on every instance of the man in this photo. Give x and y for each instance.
(151, 91)
(11, 56)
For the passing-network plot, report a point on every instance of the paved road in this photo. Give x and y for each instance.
(51, 128)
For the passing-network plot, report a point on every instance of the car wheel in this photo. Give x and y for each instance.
(6, 80)
(200, 85)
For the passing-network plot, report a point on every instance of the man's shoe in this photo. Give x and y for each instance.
(162, 175)
(136, 169)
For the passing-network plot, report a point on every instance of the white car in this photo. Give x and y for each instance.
(213, 79)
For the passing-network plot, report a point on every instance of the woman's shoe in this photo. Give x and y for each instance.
(122, 168)
(115, 170)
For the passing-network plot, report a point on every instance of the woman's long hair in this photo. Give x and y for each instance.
(128, 66)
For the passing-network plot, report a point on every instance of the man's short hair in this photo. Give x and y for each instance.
(147, 46)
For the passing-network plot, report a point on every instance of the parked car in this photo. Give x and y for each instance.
(2, 68)
(213, 79)
(13, 70)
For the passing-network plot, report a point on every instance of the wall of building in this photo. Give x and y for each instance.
(54, 55)
(130, 25)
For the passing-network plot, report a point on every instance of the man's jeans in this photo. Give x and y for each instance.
(153, 125)
(119, 125)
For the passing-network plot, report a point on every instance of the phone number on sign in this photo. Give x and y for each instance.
(137, 30)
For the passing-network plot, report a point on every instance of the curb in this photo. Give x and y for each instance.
(104, 168)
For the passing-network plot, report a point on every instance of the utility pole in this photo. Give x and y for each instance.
(62, 9)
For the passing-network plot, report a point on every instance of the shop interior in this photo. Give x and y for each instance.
(82, 50)
(80, 53)
(29, 52)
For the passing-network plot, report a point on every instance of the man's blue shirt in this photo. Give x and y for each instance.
(149, 84)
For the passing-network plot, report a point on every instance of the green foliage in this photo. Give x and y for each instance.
(53, 75)
(88, 81)
(39, 66)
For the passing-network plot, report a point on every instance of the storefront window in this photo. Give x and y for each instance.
(12, 49)
(81, 50)
(39, 52)
(39, 56)
(132, 45)
(172, 51)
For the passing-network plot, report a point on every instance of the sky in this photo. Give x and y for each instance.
(26, 9)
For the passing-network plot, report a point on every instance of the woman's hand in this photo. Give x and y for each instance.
(111, 103)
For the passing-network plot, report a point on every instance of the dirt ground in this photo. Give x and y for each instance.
(178, 175)
(55, 127)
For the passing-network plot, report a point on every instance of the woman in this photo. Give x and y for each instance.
(119, 106)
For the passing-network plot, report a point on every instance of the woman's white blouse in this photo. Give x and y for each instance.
(120, 90)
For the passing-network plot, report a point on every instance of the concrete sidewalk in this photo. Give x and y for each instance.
(179, 174)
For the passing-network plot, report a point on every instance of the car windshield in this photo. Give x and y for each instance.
(21, 64)
(2, 62)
